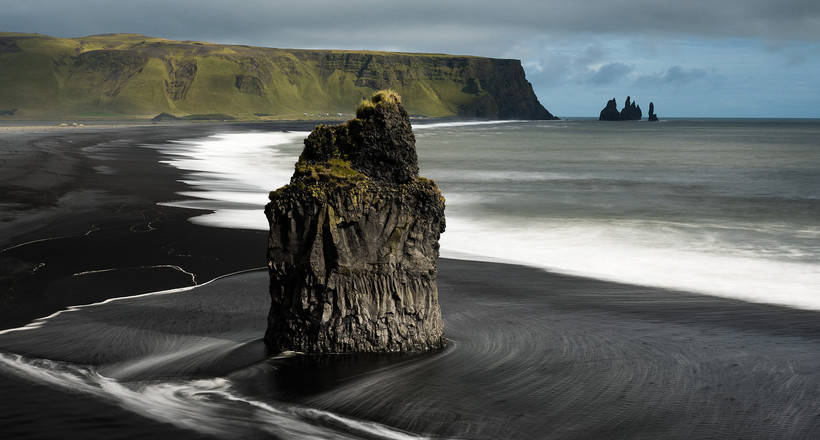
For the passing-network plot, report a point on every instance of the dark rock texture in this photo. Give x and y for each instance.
(165, 117)
(630, 112)
(610, 112)
(501, 91)
(353, 241)
(652, 116)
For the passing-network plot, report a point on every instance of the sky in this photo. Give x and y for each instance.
(693, 58)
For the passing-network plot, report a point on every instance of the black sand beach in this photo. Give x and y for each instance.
(78, 202)
(532, 354)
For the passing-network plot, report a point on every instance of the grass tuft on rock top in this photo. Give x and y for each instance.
(333, 169)
(387, 98)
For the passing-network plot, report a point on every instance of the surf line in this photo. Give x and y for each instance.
(37, 323)
(465, 123)
(156, 266)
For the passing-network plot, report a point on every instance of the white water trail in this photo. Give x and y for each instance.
(209, 406)
(124, 340)
(423, 126)
(233, 169)
(636, 252)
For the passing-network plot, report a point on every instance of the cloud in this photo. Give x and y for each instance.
(675, 75)
(466, 26)
(610, 73)
(570, 50)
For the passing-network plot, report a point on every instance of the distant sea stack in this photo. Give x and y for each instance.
(630, 112)
(652, 116)
(353, 241)
(610, 112)
(132, 75)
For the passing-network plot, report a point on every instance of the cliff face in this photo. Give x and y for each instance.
(135, 75)
(354, 241)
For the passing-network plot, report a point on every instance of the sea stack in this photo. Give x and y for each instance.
(652, 116)
(610, 112)
(353, 241)
(630, 112)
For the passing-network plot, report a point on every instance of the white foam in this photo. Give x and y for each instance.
(233, 168)
(662, 254)
(466, 176)
(234, 218)
(637, 252)
(209, 406)
(463, 124)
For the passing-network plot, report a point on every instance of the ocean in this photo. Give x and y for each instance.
(641, 263)
(720, 207)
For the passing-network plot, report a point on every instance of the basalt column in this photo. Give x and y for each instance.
(353, 240)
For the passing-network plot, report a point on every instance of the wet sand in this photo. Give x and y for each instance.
(532, 354)
(76, 204)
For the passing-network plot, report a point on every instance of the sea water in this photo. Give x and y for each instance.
(720, 207)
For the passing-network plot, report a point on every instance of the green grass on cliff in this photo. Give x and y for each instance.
(134, 76)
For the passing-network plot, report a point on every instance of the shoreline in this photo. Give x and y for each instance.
(595, 359)
(80, 203)
(98, 190)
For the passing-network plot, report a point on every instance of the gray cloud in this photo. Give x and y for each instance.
(610, 73)
(675, 75)
(456, 25)
(570, 50)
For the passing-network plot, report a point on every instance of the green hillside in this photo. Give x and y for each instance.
(134, 76)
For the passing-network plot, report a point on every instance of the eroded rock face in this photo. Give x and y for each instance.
(353, 242)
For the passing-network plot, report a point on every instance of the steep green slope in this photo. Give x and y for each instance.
(130, 75)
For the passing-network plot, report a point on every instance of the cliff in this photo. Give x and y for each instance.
(130, 75)
(353, 241)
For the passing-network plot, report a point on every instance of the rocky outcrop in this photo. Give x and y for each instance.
(353, 241)
(652, 116)
(630, 112)
(162, 117)
(610, 112)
